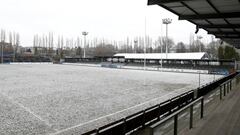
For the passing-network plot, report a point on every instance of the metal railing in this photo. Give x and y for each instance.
(163, 110)
(146, 117)
(205, 89)
(225, 88)
(175, 116)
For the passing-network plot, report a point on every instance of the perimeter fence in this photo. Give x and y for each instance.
(158, 112)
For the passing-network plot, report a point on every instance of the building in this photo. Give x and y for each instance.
(169, 56)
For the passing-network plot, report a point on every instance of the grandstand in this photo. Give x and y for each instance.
(169, 56)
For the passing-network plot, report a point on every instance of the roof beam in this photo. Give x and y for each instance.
(226, 33)
(212, 5)
(231, 39)
(220, 26)
(186, 5)
(210, 16)
(228, 36)
(153, 2)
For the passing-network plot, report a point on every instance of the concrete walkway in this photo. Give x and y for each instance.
(224, 120)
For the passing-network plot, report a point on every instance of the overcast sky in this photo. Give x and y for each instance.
(110, 19)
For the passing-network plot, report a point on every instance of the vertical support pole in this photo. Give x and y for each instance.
(224, 90)
(97, 133)
(143, 121)
(175, 124)
(220, 92)
(124, 129)
(191, 117)
(166, 41)
(199, 80)
(227, 87)
(230, 84)
(159, 115)
(202, 107)
(150, 131)
(84, 51)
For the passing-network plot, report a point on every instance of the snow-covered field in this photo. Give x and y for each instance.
(62, 99)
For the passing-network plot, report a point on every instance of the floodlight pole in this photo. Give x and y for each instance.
(161, 59)
(84, 33)
(167, 21)
(144, 49)
(145, 44)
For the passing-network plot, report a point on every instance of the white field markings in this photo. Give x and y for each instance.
(29, 111)
(112, 114)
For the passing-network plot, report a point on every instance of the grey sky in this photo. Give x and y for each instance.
(111, 19)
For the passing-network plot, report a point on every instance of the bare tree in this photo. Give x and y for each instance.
(104, 50)
(162, 44)
(212, 49)
(17, 44)
(10, 40)
(3, 35)
(181, 48)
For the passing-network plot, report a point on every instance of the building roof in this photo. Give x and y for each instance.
(218, 17)
(195, 56)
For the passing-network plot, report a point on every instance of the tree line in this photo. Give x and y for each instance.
(51, 45)
(227, 52)
(9, 42)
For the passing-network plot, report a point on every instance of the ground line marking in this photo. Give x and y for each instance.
(105, 116)
(28, 110)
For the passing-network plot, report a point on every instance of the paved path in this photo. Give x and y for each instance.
(224, 120)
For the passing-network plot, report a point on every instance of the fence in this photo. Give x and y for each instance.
(145, 117)
(160, 111)
(223, 90)
(175, 116)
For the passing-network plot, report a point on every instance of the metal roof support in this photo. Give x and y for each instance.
(228, 36)
(217, 32)
(226, 30)
(193, 11)
(152, 2)
(196, 14)
(197, 29)
(212, 5)
(220, 26)
(210, 16)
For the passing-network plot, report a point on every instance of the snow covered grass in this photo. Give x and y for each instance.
(48, 98)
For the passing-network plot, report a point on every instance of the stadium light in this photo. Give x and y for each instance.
(167, 21)
(84, 33)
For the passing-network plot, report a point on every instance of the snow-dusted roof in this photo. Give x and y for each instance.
(195, 55)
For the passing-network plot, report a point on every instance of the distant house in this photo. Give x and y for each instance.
(7, 49)
(182, 56)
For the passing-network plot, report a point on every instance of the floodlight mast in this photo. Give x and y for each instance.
(167, 21)
(84, 33)
(144, 49)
